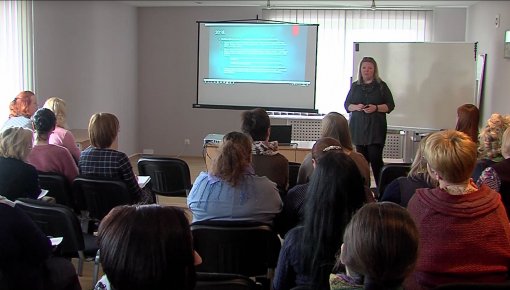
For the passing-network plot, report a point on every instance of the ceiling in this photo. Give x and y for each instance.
(353, 4)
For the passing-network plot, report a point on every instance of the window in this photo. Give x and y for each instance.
(339, 29)
(16, 51)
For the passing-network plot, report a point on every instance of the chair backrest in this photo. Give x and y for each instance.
(98, 196)
(169, 176)
(244, 248)
(293, 173)
(222, 281)
(55, 220)
(390, 172)
(58, 187)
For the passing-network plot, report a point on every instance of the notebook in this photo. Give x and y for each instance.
(281, 133)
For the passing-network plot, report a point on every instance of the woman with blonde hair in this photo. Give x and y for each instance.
(335, 125)
(231, 190)
(17, 178)
(475, 247)
(21, 110)
(497, 175)
(103, 160)
(402, 189)
(61, 135)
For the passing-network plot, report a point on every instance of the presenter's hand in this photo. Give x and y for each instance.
(356, 107)
(369, 109)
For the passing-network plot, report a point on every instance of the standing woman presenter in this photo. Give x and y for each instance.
(368, 102)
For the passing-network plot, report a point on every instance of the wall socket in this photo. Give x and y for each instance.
(187, 141)
(497, 20)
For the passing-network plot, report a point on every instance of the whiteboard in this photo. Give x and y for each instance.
(429, 81)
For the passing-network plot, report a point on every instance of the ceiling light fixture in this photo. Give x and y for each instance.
(372, 7)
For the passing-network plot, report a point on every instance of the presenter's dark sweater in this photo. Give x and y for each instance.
(463, 238)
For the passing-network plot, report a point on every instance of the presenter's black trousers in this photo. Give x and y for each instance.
(373, 154)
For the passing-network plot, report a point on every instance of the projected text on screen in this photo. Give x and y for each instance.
(257, 54)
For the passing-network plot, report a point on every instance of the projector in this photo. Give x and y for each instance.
(213, 138)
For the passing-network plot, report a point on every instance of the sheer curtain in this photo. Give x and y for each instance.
(16, 51)
(339, 29)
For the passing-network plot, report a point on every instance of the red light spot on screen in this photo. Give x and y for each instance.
(295, 30)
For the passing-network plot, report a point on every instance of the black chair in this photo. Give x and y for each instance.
(58, 220)
(473, 286)
(293, 173)
(58, 187)
(222, 281)
(390, 172)
(169, 176)
(245, 248)
(98, 195)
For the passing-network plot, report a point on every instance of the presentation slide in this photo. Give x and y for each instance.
(270, 65)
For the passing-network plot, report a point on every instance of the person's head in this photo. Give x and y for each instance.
(256, 123)
(505, 144)
(16, 142)
(319, 148)
(103, 129)
(335, 192)
(368, 70)
(25, 104)
(335, 125)
(58, 106)
(147, 247)
(450, 156)
(44, 123)
(468, 118)
(490, 137)
(419, 165)
(234, 157)
(381, 243)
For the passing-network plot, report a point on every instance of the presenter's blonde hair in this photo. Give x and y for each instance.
(452, 154)
(16, 142)
(58, 106)
(103, 129)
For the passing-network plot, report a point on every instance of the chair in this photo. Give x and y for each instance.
(222, 281)
(390, 172)
(169, 176)
(98, 195)
(58, 220)
(58, 187)
(245, 248)
(293, 173)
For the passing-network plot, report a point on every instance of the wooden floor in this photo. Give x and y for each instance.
(196, 165)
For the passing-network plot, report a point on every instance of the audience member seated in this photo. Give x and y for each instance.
(334, 194)
(25, 255)
(380, 249)
(47, 157)
(232, 191)
(21, 110)
(464, 229)
(468, 117)
(102, 159)
(267, 161)
(293, 203)
(61, 135)
(497, 175)
(402, 189)
(489, 150)
(17, 178)
(335, 125)
(146, 247)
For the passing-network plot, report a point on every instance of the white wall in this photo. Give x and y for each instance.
(449, 25)
(86, 53)
(490, 39)
(167, 42)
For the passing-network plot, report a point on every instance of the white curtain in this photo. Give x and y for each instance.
(16, 51)
(339, 29)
